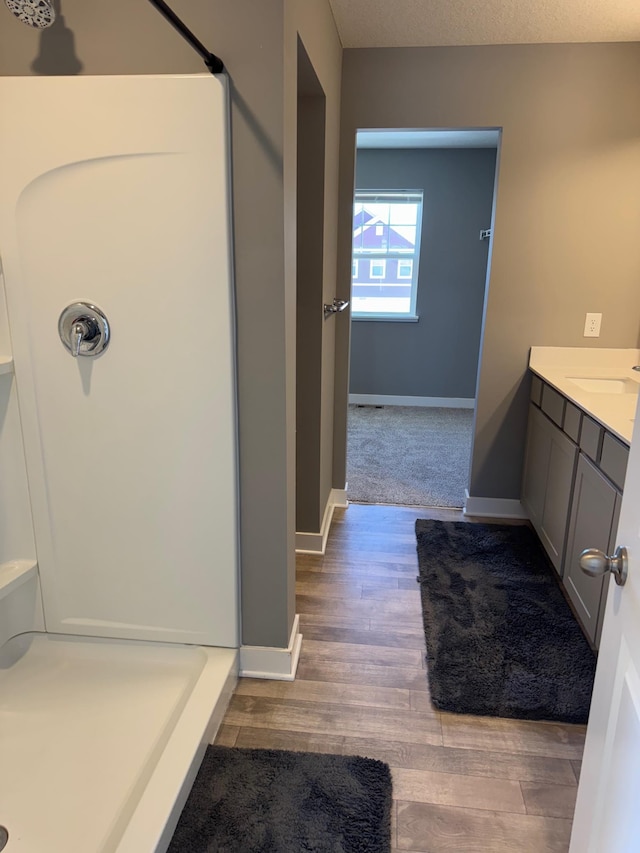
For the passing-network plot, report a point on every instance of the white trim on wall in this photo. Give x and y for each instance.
(338, 497)
(316, 543)
(395, 400)
(493, 507)
(274, 663)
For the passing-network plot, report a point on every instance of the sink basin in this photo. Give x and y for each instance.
(610, 385)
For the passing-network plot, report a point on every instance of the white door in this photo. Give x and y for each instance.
(607, 817)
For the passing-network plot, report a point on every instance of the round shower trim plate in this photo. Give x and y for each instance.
(35, 13)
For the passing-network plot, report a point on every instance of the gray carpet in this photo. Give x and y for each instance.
(408, 456)
(501, 638)
(272, 801)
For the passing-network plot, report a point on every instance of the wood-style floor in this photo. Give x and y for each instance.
(472, 784)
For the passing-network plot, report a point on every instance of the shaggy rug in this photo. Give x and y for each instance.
(272, 801)
(408, 456)
(501, 638)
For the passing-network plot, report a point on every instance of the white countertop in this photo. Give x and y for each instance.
(564, 367)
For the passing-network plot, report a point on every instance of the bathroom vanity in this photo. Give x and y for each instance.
(581, 414)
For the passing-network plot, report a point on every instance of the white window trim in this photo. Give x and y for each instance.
(354, 268)
(387, 318)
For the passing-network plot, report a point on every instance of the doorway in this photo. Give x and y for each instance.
(422, 223)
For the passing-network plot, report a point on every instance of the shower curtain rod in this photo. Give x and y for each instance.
(213, 62)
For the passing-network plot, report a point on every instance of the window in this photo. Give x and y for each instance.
(405, 269)
(354, 269)
(386, 234)
(377, 269)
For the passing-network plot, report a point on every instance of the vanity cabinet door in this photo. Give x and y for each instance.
(563, 457)
(607, 580)
(550, 464)
(593, 515)
(536, 465)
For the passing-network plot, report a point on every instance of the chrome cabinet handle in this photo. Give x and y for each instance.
(84, 329)
(595, 563)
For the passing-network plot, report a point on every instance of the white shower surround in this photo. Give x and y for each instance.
(101, 739)
(115, 191)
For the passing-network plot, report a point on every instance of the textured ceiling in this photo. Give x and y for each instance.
(418, 23)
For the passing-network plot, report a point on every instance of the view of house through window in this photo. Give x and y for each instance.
(386, 250)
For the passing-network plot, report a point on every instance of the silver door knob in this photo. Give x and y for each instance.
(335, 307)
(595, 563)
(84, 329)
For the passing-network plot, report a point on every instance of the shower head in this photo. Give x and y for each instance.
(35, 13)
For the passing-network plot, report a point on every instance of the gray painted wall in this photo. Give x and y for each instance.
(309, 278)
(438, 355)
(567, 206)
(258, 43)
(314, 22)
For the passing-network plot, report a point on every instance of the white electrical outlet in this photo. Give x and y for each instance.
(592, 326)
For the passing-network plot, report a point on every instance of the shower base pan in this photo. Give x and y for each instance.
(100, 740)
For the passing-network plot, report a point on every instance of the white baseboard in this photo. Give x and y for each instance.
(394, 400)
(493, 507)
(316, 543)
(273, 663)
(338, 497)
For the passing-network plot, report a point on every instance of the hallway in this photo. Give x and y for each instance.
(479, 785)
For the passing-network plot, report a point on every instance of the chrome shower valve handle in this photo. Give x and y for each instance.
(79, 332)
(84, 329)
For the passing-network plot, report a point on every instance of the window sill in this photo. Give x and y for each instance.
(384, 318)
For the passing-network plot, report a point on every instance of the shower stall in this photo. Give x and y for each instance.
(119, 622)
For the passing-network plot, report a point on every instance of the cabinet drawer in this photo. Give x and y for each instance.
(590, 437)
(572, 418)
(536, 390)
(613, 459)
(553, 405)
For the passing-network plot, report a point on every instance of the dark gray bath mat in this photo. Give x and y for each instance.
(501, 639)
(272, 801)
